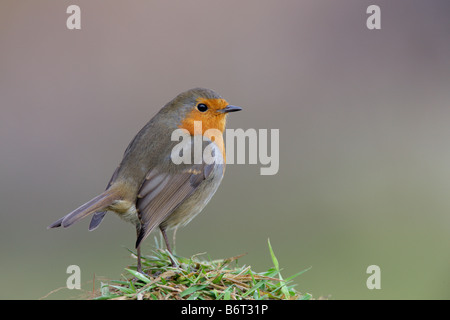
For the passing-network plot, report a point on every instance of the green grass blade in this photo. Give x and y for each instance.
(124, 289)
(254, 288)
(274, 259)
(192, 290)
(297, 274)
(284, 289)
(139, 275)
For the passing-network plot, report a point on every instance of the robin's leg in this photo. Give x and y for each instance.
(138, 251)
(139, 265)
(166, 240)
(174, 237)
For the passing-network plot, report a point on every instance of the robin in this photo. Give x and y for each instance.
(148, 189)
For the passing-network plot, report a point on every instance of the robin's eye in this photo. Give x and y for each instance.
(202, 107)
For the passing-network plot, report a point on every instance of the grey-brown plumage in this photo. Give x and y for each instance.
(148, 189)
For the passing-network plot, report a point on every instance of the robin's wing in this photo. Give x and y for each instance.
(162, 192)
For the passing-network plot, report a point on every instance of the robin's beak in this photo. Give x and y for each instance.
(230, 108)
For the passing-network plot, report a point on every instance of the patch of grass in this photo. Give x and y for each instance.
(197, 279)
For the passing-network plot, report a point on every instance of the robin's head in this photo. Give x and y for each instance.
(203, 105)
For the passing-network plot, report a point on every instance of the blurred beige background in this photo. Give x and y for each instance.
(364, 136)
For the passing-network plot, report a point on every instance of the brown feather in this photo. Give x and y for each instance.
(99, 203)
(155, 206)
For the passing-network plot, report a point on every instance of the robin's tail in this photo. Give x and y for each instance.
(99, 203)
